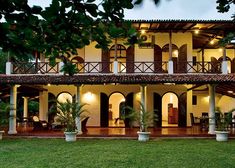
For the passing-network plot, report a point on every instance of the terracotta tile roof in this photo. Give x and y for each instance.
(120, 78)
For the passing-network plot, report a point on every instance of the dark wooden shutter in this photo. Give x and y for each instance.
(129, 102)
(105, 61)
(130, 56)
(157, 106)
(182, 59)
(157, 59)
(214, 65)
(104, 110)
(233, 66)
(182, 105)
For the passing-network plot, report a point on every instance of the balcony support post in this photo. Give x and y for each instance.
(224, 63)
(8, 68)
(170, 63)
(115, 67)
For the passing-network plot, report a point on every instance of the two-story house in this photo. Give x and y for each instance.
(178, 69)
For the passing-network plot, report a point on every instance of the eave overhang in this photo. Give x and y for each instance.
(118, 79)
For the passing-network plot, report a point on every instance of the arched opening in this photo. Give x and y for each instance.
(64, 96)
(121, 56)
(170, 110)
(228, 62)
(79, 61)
(165, 55)
(116, 103)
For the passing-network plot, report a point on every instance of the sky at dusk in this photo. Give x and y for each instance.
(170, 9)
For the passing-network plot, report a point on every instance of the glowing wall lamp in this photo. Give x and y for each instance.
(89, 96)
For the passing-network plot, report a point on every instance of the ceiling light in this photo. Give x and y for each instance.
(212, 42)
(196, 31)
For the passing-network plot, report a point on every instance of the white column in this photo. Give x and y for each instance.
(43, 105)
(12, 118)
(8, 68)
(115, 67)
(143, 92)
(170, 63)
(78, 100)
(25, 115)
(211, 109)
(61, 64)
(224, 63)
(170, 67)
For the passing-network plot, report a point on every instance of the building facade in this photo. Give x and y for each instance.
(178, 69)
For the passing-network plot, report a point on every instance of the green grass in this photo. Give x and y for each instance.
(167, 153)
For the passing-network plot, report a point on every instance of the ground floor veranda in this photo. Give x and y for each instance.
(98, 96)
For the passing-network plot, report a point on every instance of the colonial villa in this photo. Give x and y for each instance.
(179, 70)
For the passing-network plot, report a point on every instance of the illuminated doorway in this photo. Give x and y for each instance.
(170, 110)
(116, 103)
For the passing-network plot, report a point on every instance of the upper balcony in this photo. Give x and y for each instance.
(164, 67)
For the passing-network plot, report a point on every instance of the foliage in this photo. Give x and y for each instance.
(68, 112)
(64, 26)
(69, 68)
(3, 60)
(223, 120)
(227, 40)
(225, 6)
(4, 113)
(145, 118)
(33, 106)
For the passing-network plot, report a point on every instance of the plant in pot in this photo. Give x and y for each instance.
(222, 123)
(67, 113)
(144, 118)
(4, 117)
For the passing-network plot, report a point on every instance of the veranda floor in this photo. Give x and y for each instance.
(122, 132)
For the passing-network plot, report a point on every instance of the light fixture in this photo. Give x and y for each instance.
(230, 91)
(142, 31)
(88, 96)
(212, 42)
(196, 31)
(48, 84)
(220, 49)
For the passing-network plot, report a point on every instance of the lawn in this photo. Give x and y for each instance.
(85, 153)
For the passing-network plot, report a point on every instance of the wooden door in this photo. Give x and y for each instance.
(130, 56)
(182, 59)
(129, 102)
(157, 59)
(104, 110)
(157, 106)
(182, 110)
(105, 61)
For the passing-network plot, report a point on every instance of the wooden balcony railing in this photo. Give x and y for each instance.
(123, 67)
(34, 67)
(200, 67)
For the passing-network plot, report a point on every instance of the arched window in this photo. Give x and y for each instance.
(121, 56)
(121, 51)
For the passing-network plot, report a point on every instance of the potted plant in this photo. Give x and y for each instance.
(222, 122)
(144, 118)
(67, 113)
(4, 115)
